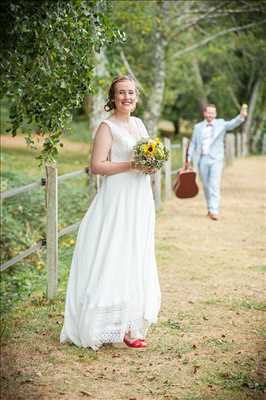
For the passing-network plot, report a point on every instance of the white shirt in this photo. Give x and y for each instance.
(206, 139)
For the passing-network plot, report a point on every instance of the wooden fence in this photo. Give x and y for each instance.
(52, 234)
(233, 147)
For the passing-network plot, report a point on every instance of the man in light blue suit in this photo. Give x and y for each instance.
(207, 151)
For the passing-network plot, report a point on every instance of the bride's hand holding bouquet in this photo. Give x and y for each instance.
(149, 155)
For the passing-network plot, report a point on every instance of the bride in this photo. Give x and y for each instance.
(113, 292)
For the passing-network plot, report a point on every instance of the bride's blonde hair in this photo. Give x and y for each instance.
(110, 104)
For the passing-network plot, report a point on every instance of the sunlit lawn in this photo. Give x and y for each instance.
(24, 161)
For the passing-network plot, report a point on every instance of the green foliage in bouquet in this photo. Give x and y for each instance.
(150, 153)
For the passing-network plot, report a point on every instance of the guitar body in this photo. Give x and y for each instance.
(185, 186)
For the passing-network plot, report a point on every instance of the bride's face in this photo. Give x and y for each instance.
(125, 96)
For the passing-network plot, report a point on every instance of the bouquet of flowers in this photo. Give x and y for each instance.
(150, 153)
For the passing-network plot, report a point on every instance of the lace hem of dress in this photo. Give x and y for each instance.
(97, 326)
(137, 329)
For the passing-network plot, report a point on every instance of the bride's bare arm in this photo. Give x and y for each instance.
(101, 148)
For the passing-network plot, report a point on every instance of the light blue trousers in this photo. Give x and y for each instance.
(210, 171)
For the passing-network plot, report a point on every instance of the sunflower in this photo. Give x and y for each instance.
(149, 149)
(150, 153)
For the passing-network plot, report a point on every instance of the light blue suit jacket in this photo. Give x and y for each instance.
(220, 127)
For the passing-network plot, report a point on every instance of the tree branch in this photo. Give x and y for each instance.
(129, 69)
(195, 46)
(233, 97)
(195, 21)
(232, 11)
(182, 13)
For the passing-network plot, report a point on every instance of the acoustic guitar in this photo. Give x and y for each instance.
(185, 185)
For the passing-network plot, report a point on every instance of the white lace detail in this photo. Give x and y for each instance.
(137, 328)
(108, 325)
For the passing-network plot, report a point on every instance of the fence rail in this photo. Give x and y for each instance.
(74, 174)
(37, 246)
(52, 235)
(69, 229)
(233, 147)
(22, 189)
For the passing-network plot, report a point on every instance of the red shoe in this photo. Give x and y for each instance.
(135, 343)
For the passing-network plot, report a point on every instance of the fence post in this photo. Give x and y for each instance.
(52, 230)
(167, 170)
(238, 145)
(156, 188)
(244, 144)
(264, 144)
(229, 148)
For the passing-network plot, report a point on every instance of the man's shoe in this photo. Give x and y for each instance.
(212, 216)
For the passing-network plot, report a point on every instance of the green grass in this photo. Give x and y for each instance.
(259, 268)
(174, 325)
(171, 344)
(45, 316)
(78, 130)
(249, 304)
(235, 381)
(79, 354)
(212, 301)
(194, 397)
(222, 344)
(236, 305)
(23, 218)
(180, 322)
(32, 290)
(261, 332)
(23, 160)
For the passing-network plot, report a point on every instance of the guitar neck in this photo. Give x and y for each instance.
(186, 156)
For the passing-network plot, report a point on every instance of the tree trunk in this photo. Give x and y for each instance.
(202, 98)
(258, 133)
(154, 105)
(99, 98)
(153, 111)
(247, 133)
(87, 105)
(152, 115)
(98, 113)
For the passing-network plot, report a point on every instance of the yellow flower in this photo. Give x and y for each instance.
(157, 140)
(149, 149)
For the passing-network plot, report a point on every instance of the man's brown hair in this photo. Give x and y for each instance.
(209, 105)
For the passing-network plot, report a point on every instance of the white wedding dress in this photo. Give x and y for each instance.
(113, 284)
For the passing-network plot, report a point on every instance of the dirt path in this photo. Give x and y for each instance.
(208, 343)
